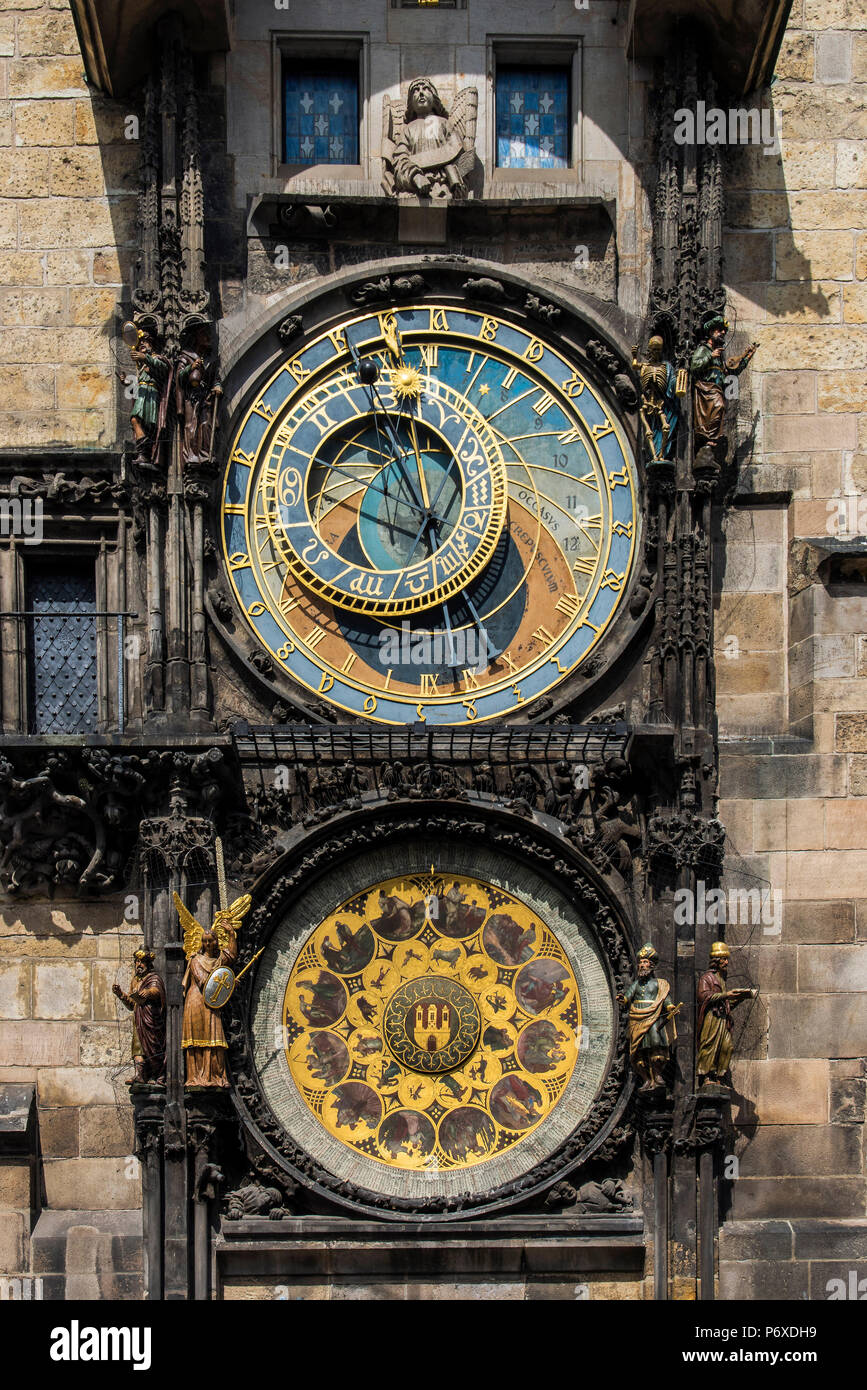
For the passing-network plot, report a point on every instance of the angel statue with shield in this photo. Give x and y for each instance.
(426, 149)
(207, 984)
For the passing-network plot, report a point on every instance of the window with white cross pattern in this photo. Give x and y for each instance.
(320, 113)
(533, 117)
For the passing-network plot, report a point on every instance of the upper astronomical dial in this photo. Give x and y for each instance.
(424, 503)
(429, 514)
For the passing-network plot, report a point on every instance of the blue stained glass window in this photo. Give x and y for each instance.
(533, 118)
(320, 114)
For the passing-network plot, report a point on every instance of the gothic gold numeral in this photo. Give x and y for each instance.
(507, 657)
(430, 355)
(256, 609)
(238, 561)
(570, 436)
(585, 564)
(338, 339)
(568, 604)
(314, 637)
(469, 680)
(326, 682)
(533, 351)
(370, 704)
(297, 370)
(543, 403)
(543, 636)
(574, 386)
(612, 580)
(509, 379)
(429, 683)
(600, 431)
(488, 330)
(348, 663)
(438, 321)
(470, 707)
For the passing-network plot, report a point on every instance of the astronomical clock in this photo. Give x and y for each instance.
(429, 514)
(430, 518)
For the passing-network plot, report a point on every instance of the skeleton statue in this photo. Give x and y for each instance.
(427, 150)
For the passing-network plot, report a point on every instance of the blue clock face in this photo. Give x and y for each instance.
(429, 514)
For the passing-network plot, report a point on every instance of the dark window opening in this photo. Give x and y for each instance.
(61, 642)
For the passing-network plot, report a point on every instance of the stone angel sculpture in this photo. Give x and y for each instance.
(426, 149)
(208, 951)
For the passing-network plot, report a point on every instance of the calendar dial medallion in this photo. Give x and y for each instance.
(429, 514)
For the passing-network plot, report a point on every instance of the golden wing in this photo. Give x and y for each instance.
(230, 918)
(193, 930)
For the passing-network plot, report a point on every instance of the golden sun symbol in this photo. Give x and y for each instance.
(406, 383)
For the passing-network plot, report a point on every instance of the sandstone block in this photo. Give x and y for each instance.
(851, 164)
(782, 1091)
(819, 112)
(747, 257)
(106, 1131)
(103, 1045)
(50, 77)
(87, 427)
(797, 57)
(793, 776)
(77, 173)
(861, 256)
(855, 303)
(825, 346)
(111, 267)
(799, 1150)
(7, 36)
(61, 989)
(794, 1197)
(808, 164)
(14, 1184)
(809, 256)
(737, 817)
(817, 1025)
(99, 121)
(67, 267)
(755, 619)
(834, 56)
(59, 223)
(842, 390)
(832, 969)
(14, 990)
(58, 1132)
(834, 14)
(755, 1240)
(28, 345)
(48, 122)
(851, 733)
(827, 210)
(75, 1086)
(858, 775)
(85, 388)
(41, 308)
(83, 345)
(744, 715)
(762, 1279)
(47, 35)
(38, 1044)
(8, 225)
(20, 268)
(13, 1258)
(789, 393)
(24, 174)
(789, 301)
(112, 1184)
(782, 825)
(92, 307)
(848, 1100)
(105, 974)
(32, 388)
(749, 673)
(756, 208)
